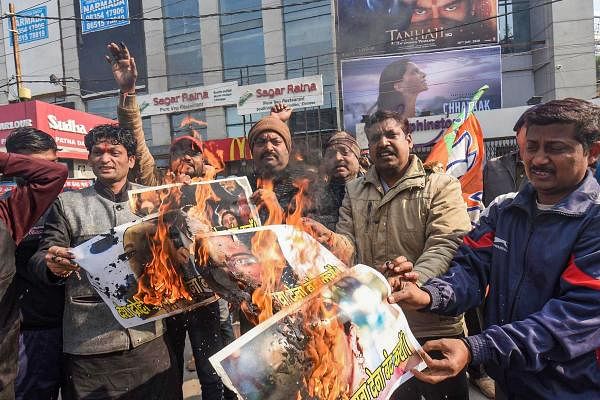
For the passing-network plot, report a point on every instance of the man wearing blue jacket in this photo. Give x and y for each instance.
(538, 252)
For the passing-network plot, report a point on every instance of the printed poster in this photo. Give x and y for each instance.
(146, 270)
(344, 341)
(377, 27)
(422, 84)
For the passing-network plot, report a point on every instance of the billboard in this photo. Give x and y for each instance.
(104, 15)
(301, 92)
(421, 84)
(36, 36)
(369, 27)
(180, 100)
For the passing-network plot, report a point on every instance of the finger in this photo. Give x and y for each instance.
(398, 297)
(399, 260)
(428, 376)
(410, 277)
(433, 345)
(108, 59)
(124, 50)
(60, 251)
(133, 67)
(113, 49)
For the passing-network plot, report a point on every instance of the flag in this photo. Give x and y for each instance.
(460, 152)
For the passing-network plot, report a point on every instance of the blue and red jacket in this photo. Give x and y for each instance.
(541, 336)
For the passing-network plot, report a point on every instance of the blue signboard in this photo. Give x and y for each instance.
(32, 29)
(105, 14)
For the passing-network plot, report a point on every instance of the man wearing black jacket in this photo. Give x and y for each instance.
(41, 306)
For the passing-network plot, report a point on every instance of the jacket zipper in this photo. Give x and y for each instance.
(523, 274)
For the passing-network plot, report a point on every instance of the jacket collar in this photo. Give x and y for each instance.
(413, 177)
(577, 203)
(106, 192)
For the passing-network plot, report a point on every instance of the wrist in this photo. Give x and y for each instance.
(469, 350)
(127, 92)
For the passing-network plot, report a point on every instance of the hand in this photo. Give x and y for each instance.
(123, 67)
(264, 196)
(317, 230)
(400, 270)
(456, 357)
(281, 111)
(410, 296)
(59, 261)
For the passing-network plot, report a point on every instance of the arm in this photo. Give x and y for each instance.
(464, 285)
(565, 328)
(125, 74)
(343, 244)
(26, 204)
(447, 223)
(57, 232)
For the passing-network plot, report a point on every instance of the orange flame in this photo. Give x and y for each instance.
(326, 351)
(160, 283)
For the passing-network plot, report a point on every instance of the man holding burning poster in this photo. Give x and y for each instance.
(400, 211)
(186, 162)
(100, 355)
(537, 251)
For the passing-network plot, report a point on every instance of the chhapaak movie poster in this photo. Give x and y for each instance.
(345, 341)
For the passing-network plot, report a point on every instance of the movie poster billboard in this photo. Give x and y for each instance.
(421, 84)
(401, 26)
(343, 342)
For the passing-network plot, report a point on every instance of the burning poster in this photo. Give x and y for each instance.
(345, 341)
(145, 270)
(403, 26)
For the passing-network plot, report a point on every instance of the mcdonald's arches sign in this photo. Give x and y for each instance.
(233, 149)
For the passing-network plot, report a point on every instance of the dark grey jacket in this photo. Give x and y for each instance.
(502, 175)
(88, 324)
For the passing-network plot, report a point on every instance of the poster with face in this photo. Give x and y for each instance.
(376, 27)
(343, 341)
(157, 267)
(420, 84)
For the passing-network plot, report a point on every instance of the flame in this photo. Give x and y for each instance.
(326, 351)
(160, 283)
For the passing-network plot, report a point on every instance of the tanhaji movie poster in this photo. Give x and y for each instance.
(377, 27)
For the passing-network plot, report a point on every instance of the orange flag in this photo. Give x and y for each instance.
(460, 151)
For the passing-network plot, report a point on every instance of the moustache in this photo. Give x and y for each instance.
(269, 154)
(542, 169)
(382, 152)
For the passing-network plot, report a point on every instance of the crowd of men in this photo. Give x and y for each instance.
(531, 265)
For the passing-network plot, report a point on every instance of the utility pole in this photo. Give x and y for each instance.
(23, 93)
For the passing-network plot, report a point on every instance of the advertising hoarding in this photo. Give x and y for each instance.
(297, 93)
(401, 26)
(422, 84)
(36, 36)
(104, 14)
(181, 100)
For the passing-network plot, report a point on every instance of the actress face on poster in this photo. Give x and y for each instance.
(399, 85)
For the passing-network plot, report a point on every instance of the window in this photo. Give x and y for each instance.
(186, 123)
(310, 52)
(238, 125)
(147, 127)
(182, 44)
(242, 42)
(105, 107)
(514, 28)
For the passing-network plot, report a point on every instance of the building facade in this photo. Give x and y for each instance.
(548, 51)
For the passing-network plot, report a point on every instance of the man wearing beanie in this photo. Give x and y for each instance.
(341, 165)
(270, 142)
(186, 159)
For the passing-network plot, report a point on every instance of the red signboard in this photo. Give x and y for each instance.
(68, 127)
(233, 149)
